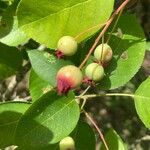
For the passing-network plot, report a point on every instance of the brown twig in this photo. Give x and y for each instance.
(103, 31)
(97, 129)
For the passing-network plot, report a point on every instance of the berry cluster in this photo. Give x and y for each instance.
(103, 54)
(70, 77)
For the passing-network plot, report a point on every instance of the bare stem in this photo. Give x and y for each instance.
(97, 129)
(83, 93)
(83, 103)
(102, 48)
(120, 94)
(116, 22)
(103, 31)
(108, 94)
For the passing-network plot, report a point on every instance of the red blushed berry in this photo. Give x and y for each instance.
(63, 85)
(59, 54)
(68, 77)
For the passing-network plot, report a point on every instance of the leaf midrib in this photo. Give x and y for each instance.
(142, 97)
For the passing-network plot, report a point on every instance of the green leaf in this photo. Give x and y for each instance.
(47, 121)
(5, 71)
(3, 6)
(10, 60)
(15, 37)
(6, 22)
(46, 65)
(84, 137)
(9, 32)
(49, 20)
(129, 49)
(113, 141)
(142, 102)
(37, 86)
(10, 114)
(10, 56)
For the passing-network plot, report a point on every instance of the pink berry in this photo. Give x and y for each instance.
(68, 77)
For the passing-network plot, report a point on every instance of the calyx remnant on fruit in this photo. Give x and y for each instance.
(94, 71)
(68, 77)
(67, 144)
(103, 53)
(67, 45)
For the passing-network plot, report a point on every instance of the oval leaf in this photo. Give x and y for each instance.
(41, 87)
(6, 19)
(10, 114)
(113, 141)
(10, 60)
(15, 37)
(47, 121)
(46, 66)
(84, 137)
(128, 46)
(62, 18)
(142, 102)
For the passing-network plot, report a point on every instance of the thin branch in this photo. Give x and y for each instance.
(114, 27)
(97, 129)
(103, 31)
(83, 93)
(120, 94)
(103, 40)
(83, 103)
(108, 94)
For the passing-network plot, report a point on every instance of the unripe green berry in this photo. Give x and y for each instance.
(94, 72)
(103, 53)
(68, 77)
(67, 144)
(67, 45)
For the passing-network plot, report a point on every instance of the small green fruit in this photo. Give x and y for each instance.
(67, 45)
(67, 144)
(68, 77)
(94, 72)
(103, 53)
